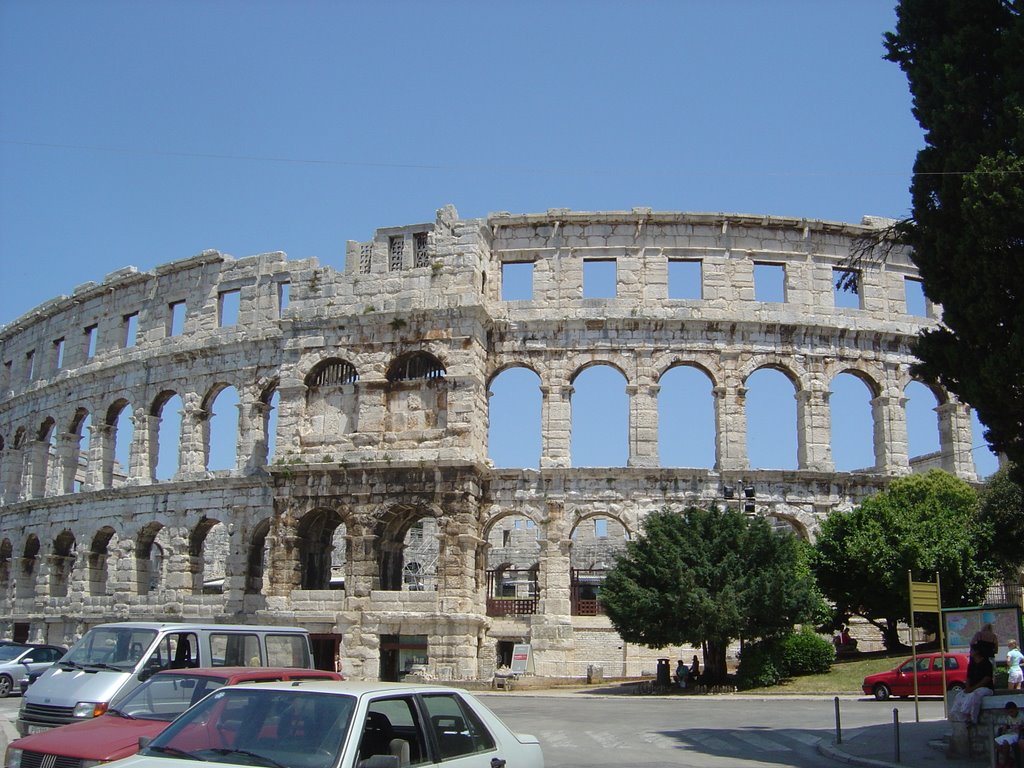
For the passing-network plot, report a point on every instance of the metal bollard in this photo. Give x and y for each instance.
(839, 729)
(896, 731)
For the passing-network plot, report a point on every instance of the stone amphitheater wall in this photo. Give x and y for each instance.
(370, 384)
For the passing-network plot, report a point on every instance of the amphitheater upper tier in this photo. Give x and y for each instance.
(361, 437)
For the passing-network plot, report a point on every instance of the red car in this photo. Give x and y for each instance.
(900, 681)
(144, 712)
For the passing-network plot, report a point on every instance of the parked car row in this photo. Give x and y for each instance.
(20, 663)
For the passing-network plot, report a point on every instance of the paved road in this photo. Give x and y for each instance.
(706, 731)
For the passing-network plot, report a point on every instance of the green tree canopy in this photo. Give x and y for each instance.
(1002, 510)
(923, 524)
(965, 67)
(706, 577)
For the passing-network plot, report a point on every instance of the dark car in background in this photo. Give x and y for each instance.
(24, 661)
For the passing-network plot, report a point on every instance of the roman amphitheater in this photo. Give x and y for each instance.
(361, 500)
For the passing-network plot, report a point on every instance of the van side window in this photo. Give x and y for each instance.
(287, 651)
(235, 649)
(176, 650)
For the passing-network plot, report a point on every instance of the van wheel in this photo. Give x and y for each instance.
(5, 686)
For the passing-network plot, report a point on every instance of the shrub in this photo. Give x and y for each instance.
(805, 653)
(758, 667)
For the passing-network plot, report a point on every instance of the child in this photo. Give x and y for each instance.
(1010, 733)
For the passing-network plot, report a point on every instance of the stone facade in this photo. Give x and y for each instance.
(378, 522)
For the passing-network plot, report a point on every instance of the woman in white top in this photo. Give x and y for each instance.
(1013, 661)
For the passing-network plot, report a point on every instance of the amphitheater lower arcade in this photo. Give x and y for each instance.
(358, 496)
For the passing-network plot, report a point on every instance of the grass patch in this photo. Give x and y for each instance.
(844, 677)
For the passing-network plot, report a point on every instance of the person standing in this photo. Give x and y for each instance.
(1015, 675)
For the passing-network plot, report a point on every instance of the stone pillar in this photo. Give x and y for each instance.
(194, 442)
(890, 434)
(291, 406)
(67, 463)
(814, 430)
(281, 574)
(143, 452)
(955, 439)
(251, 448)
(361, 574)
(105, 443)
(99, 435)
(37, 456)
(555, 564)
(643, 424)
(78, 585)
(457, 568)
(730, 428)
(556, 427)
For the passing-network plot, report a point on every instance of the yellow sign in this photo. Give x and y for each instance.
(924, 597)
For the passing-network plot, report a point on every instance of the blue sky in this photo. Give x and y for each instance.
(144, 132)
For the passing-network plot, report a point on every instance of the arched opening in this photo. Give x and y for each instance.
(6, 553)
(221, 449)
(600, 418)
(207, 554)
(77, 471)
(407, 535)
(513, 557)
(149, 560)
(923, 443)
(257, 558)
(167, 408)
(514, 418)
(117, 454)
(99, 554)
(853, 431)
(417, 400)
(332, 401)
(596, 542)
(322, 549)
(771, 420)
(415, 366)
(29, 559)
(45, 461)
(61, 563)
(686, 418)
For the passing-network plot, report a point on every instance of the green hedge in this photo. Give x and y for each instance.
(769, 662)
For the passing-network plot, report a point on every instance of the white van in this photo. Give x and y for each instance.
(112, 659)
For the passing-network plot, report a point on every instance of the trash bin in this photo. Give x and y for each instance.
(664, 674)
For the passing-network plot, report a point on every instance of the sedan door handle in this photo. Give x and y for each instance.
(497, 762)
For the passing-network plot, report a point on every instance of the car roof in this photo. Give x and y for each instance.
(262, 672)
(359, 687)
(183, 626)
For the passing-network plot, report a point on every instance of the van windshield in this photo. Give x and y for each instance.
(120, 648)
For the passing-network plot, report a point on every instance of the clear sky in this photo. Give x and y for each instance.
(144, 132)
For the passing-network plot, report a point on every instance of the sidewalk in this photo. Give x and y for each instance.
(921, 745)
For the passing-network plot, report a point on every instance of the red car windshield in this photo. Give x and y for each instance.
(167, 695)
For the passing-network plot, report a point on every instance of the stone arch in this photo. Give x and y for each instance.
(265, 443)
(62, 563)
(76, 471)
(407, 530)
(513, 563)
(257, 557)
(149, 559)
(790, 522)
(117, 443)
(99, 560)
(27, 571)
(208, 551)
(772, 406)
(592, 554)
(166, 443)
(221, 429)
(45, 460)
(415, 366)
(322, 547)
(924, 429)
(686, 416)
(6, 555)
(416, 396)
(852, 419)
(600, 415)
(514, 416)
(332, 402)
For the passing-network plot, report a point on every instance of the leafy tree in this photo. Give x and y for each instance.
(922, 524)
(708, 577)
(964, 64)
(1002, 510)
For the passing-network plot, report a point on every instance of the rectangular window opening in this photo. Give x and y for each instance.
(58, 354)
(176, 318)
(227, 308)
(599, 278)
(283, 296)
(396, 250)
(91, 334)
(917, 304)
(517, 281)
(131, 329)
(30, 365)
(601, 528)
(770, 282)
(846, 288)
(685, 279)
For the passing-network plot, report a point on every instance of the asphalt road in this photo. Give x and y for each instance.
(705, 731)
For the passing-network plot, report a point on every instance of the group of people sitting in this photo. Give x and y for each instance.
(980, 683)
(684, 674)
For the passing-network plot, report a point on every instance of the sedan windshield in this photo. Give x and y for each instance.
(114, 647)
(292, 728)
(167, 695)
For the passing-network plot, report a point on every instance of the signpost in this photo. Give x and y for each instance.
(925, 597)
